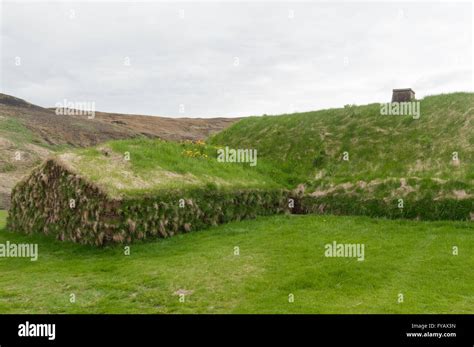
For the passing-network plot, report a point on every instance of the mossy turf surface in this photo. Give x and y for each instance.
(277, 256)
(141, 167)
(309, 147)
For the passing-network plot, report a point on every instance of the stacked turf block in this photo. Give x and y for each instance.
(56, 201)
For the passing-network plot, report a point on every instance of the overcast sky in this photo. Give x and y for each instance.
(232, 59)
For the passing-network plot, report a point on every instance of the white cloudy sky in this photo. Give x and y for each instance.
(327, 55)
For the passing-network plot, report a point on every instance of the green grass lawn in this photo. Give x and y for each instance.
(278, 255)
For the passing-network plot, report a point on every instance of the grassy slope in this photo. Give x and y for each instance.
(17, 137)
(278, 255)
(15, 131)
(308, 147)
(156, 165)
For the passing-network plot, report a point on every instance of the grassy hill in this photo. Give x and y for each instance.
(388, 154)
